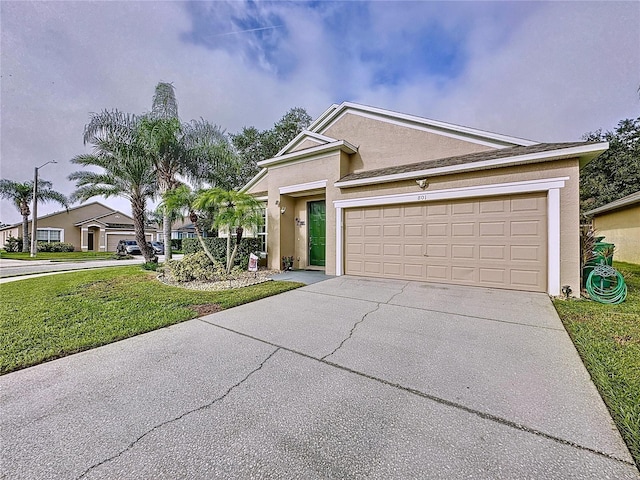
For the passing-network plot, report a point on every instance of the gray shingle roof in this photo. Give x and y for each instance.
(464, 159)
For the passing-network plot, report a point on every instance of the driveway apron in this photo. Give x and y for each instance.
(345, 378)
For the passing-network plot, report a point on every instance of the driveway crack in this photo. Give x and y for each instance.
(179, 417)
(353, 329)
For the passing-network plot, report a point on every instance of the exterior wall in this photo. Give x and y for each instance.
(308, 143)
(14, 232)
(382, 144)
(282, 232)
(261, 187)
(622, 228)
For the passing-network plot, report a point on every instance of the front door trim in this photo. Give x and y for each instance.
(550, 185)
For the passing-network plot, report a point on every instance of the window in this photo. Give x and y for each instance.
(262, 231)
(49, 235)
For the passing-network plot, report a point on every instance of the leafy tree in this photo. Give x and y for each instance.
(21, 195)
(236, 211)
(253, 145)
(183, 199)
(120, 151)
(615, 173)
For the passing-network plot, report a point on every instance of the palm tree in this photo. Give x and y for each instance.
(126, 168)
(198, 151)
(183, 199)
(236, 211)
(21, 194)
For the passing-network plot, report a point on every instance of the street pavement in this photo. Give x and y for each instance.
(12, 270)
(344, 378)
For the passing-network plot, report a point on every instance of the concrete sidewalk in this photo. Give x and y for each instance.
(347, 378)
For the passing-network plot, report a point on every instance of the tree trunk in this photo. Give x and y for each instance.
(166, 230)
(194, 219)
(137, 209)
(25, 233)
(232, 258)
(228, 249)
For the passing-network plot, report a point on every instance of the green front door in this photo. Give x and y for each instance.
(317, 232)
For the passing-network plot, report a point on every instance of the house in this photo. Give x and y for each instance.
(371, 192)
(619, 223)
(91, 226)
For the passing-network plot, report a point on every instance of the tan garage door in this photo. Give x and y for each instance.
(494, 242)
(113, 239)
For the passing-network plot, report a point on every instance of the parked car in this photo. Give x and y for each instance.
(130, 246)
(158, 247)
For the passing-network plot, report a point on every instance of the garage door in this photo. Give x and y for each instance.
(494, 242)
(113, 239)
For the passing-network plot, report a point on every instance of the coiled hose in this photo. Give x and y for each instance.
(606, 285)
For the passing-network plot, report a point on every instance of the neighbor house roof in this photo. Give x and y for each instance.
(629, 200)
(111, 210)
(477, 161)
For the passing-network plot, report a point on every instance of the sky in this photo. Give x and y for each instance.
(545, 71)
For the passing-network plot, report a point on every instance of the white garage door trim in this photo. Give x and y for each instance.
(550, 185)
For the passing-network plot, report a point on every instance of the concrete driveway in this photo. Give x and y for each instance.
(346, 378)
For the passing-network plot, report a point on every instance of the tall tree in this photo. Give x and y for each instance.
(21, 195)
(253, 145)
(198, 151)
(183, 199)
(615, 173)
(120, 152)
(235, 212)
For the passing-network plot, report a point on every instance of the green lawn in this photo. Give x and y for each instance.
(49, 317)
(608, 340)
(60, 256)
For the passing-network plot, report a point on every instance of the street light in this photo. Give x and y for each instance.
(34, 222)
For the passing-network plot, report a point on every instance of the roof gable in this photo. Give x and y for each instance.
(490, 139)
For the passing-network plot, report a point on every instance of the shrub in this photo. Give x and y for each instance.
(150, 266)
(56, 247)
(194, 266)
(218, 248)
(176, 244)
(13, 244)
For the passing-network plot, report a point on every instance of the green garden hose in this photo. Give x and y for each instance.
(606, 285)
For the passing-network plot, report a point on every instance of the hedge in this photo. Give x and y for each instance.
(218, 248)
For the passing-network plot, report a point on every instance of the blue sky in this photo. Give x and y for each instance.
(548, 71)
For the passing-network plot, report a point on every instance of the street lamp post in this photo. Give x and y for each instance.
(34, 211)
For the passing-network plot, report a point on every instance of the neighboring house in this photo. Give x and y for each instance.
(619, 222)
(370, 192)
(92, 226)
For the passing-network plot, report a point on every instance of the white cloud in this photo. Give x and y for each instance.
(547, 71)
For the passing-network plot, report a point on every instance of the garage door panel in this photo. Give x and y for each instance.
(413, 250)
(525, 253)
(526, 228)
(438, 251)
(496, 242)
(437, 230)
(492, 229)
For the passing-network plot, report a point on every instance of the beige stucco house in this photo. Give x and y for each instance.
(619, 223)
(371, 192)
(92, 226)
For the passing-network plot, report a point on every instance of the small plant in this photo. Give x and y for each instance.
(153, 266)
(196, 266)
(13, 245)
(121, 256)
(287, 263)
(56, 247)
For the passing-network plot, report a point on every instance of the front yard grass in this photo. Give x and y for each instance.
(58, 256)
(49, 317)
(607, 338)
